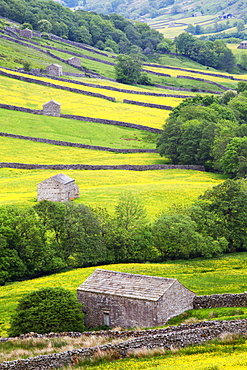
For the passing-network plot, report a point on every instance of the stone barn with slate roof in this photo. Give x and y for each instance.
(58, 188)
(52, 108)
(243, 45)
(54, 70)
(128, 300)
(74, 61)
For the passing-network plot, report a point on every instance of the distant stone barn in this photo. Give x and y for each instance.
(58, 188)
(54, 70)
(52, 108)
(74, 61)
(28, 34)
(243, 45)
(129, 300)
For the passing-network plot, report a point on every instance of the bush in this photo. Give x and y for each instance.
(47, 310)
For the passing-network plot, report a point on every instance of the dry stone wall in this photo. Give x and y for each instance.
(220, 300)
(86, 119)
(126, 167)
(45, 83)
(77, 145)
(179, 337)
(150, 105)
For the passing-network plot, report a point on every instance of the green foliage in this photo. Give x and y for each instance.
(209, 131)
(234, 159)
(214, 54)
(175, 236)
(44, 26)
(47, 310)
(128, 69)
(221, 212)
(112, 31)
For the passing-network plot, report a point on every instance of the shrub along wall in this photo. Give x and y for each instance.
(171, 338)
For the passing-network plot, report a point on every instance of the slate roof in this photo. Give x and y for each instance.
(61, 178)
(126, 285)
(51, 101)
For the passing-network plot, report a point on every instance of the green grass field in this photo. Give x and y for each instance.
(31, 95)
(90, 133)
(225, 274)
(158, 189)
(231, 356)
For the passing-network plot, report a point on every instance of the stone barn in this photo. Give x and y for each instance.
(52, 108)
(243, 45)
(28, 34)
(54, 70)
(58, 188)
(74, 61)
(128, 300)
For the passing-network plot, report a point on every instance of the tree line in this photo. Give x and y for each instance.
(52, 236)
(106, 32)
(210, 53)
(209, 130)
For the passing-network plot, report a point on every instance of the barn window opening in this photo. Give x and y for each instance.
(106, 315)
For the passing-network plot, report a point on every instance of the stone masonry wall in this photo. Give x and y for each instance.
(149, 105)
(61, 87)
(87, 119)
(179, 337)
(220, 300)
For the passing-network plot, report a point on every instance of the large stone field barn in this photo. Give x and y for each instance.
(129, 300)
(58, 188)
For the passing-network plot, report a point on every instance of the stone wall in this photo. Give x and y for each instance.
(61, 87)
(220, 300)
(125, 167)
(203, 80)
(169, 338)
(149, 105)
(77, 145)
(86, 119)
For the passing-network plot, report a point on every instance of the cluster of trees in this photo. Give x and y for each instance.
(112, 33)
(215, 27)
(51, 236)
(210, 53)
(128, 70)
(209, 131)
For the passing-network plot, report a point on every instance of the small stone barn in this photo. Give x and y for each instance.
(54, 70)
(52, 108)
(28, 34)
(243, 45)
(58, 188)
(129, 300)
(74, 61)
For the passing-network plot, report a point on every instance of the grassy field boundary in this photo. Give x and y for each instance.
(77, 145)
(87, 119)
(126, 167)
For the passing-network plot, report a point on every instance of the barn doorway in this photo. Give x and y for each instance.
(106, 316)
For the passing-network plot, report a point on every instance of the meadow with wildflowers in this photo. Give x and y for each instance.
(226, 274)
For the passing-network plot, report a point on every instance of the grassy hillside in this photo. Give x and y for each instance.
(158, 190)
(218, 275)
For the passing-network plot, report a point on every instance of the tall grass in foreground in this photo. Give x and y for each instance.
(226, 274)
(228, 353)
